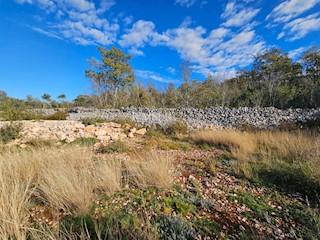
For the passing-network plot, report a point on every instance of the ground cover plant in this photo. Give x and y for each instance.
(224, 185)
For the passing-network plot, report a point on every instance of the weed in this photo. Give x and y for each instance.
(116, 146)
(172, 228)
(10, 132)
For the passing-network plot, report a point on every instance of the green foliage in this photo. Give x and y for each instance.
(59, 115)
(177, 127)
(173, 228)
(110, 74)
(116, 146)
(10, 132)
(93, 121)
(287, 176)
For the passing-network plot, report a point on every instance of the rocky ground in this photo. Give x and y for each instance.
(69, 131)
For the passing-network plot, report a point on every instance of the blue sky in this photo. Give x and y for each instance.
(45, 44)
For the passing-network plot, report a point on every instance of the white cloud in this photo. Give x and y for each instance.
(296, 53)
(237, 15)
(135, 52)
(140, 33)
(80, 21)
(186, 3)
(187, 21)
(150, 75)
(290, 9)
(300, 27)
(48, 34)
(24, 1)
(171, 70)
(127, 20)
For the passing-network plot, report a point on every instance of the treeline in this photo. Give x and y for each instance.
(274, 80)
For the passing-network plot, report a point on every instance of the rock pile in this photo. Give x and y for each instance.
(261, 118)
(69, 131)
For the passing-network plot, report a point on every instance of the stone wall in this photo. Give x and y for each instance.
(262, 118)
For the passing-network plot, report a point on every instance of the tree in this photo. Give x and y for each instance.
(62, 96)
(279, 76)
(46, 97)
(185, 68)
(110, 74)
(311, 64)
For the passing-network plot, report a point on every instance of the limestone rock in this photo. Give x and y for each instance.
(100, 132)
(130, 135)
(141, 131)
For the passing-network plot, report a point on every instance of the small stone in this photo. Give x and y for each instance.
(141, 131)
(90, 129)
(130, 135)
(23, 145)
(133, 130)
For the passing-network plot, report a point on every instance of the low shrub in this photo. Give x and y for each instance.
(116, 146)
(10, 132)
(176, 127)
(92, 121)
(59, 115)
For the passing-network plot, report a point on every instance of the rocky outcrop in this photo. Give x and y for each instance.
(261, 118)
(69, 131)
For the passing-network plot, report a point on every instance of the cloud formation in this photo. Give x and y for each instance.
(185, 3)
(236, 15)
(290, 9)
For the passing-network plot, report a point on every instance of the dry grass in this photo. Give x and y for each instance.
(68, 178)
(297, 147)
(151, 170)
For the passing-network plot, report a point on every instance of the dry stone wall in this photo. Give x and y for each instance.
(261, 118)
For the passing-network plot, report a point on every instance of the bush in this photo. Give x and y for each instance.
(92, 121)
(57, 116)
(10, 132)
(177, 127)
(175, 228)
(112, 147)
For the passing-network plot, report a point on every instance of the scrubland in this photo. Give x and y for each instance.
(168, 184)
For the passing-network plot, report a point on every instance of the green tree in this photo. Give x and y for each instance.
(110, 74)
(279, 76)
(47, 98)
(311, 64)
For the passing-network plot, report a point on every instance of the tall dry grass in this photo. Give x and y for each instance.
(151, 169)
(67, 178)
(292, 147)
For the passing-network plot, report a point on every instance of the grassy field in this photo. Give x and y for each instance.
(200, 185)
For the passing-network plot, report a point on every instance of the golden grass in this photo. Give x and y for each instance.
(68, 178)
(295, 147)
(151, 170)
